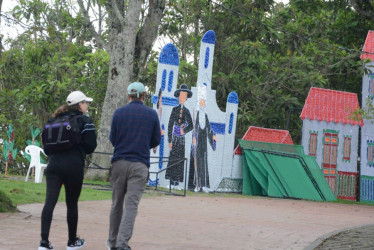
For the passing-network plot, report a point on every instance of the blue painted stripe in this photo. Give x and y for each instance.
(168, 101)
(218, 128)
(170, 83)
(163, 80)
(153, 183)
(231, 122)
(161, 151)
(206, 61)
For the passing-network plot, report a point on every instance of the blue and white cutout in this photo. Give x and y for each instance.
(167, 76)
(206, 59)
(221, 136)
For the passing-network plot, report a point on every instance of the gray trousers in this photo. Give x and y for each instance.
(128, 181)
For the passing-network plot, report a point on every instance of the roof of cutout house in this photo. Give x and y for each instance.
(265, 135)
(368, 46)
(331, 106)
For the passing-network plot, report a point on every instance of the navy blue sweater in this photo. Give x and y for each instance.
(135, 130)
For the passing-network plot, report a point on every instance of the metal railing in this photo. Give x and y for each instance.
(157, 173)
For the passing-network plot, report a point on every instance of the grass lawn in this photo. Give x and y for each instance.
(21, 192)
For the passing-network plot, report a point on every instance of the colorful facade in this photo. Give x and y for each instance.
(330, 134)
(367, 130)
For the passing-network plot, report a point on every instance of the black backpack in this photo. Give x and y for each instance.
(61, 133)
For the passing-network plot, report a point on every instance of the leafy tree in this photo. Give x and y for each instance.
(271, 54)
(39, 77)
(39, 73)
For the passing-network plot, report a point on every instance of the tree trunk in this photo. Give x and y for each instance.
(147, 35)
(121, 53)
(125, 46)
(116, 96)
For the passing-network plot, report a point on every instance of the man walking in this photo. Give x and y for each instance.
(135, 130)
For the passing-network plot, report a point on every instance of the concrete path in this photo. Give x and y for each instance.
(196, 222)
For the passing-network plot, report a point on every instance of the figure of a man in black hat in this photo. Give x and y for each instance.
(180, 123)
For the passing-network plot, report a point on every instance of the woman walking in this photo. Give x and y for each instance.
(65, 167)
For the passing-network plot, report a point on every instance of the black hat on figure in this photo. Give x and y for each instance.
(183, 88)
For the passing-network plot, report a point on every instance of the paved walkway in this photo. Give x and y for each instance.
(355, 238)
(197, 222)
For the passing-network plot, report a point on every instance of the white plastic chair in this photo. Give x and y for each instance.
(34, 152)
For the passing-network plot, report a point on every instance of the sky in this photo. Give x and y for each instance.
(5, 29)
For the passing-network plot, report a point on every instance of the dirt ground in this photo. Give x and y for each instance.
(194, 222)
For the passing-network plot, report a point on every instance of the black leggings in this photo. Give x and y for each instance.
(73, 187)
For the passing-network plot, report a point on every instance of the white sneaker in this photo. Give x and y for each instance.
(205, 190)
(77, 244)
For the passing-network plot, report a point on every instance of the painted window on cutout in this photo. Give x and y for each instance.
(371, 85)
(330, 146)
(347, 148)
(313, 143)
(370, 153)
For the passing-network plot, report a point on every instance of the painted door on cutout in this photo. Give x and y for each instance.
(329, 165)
